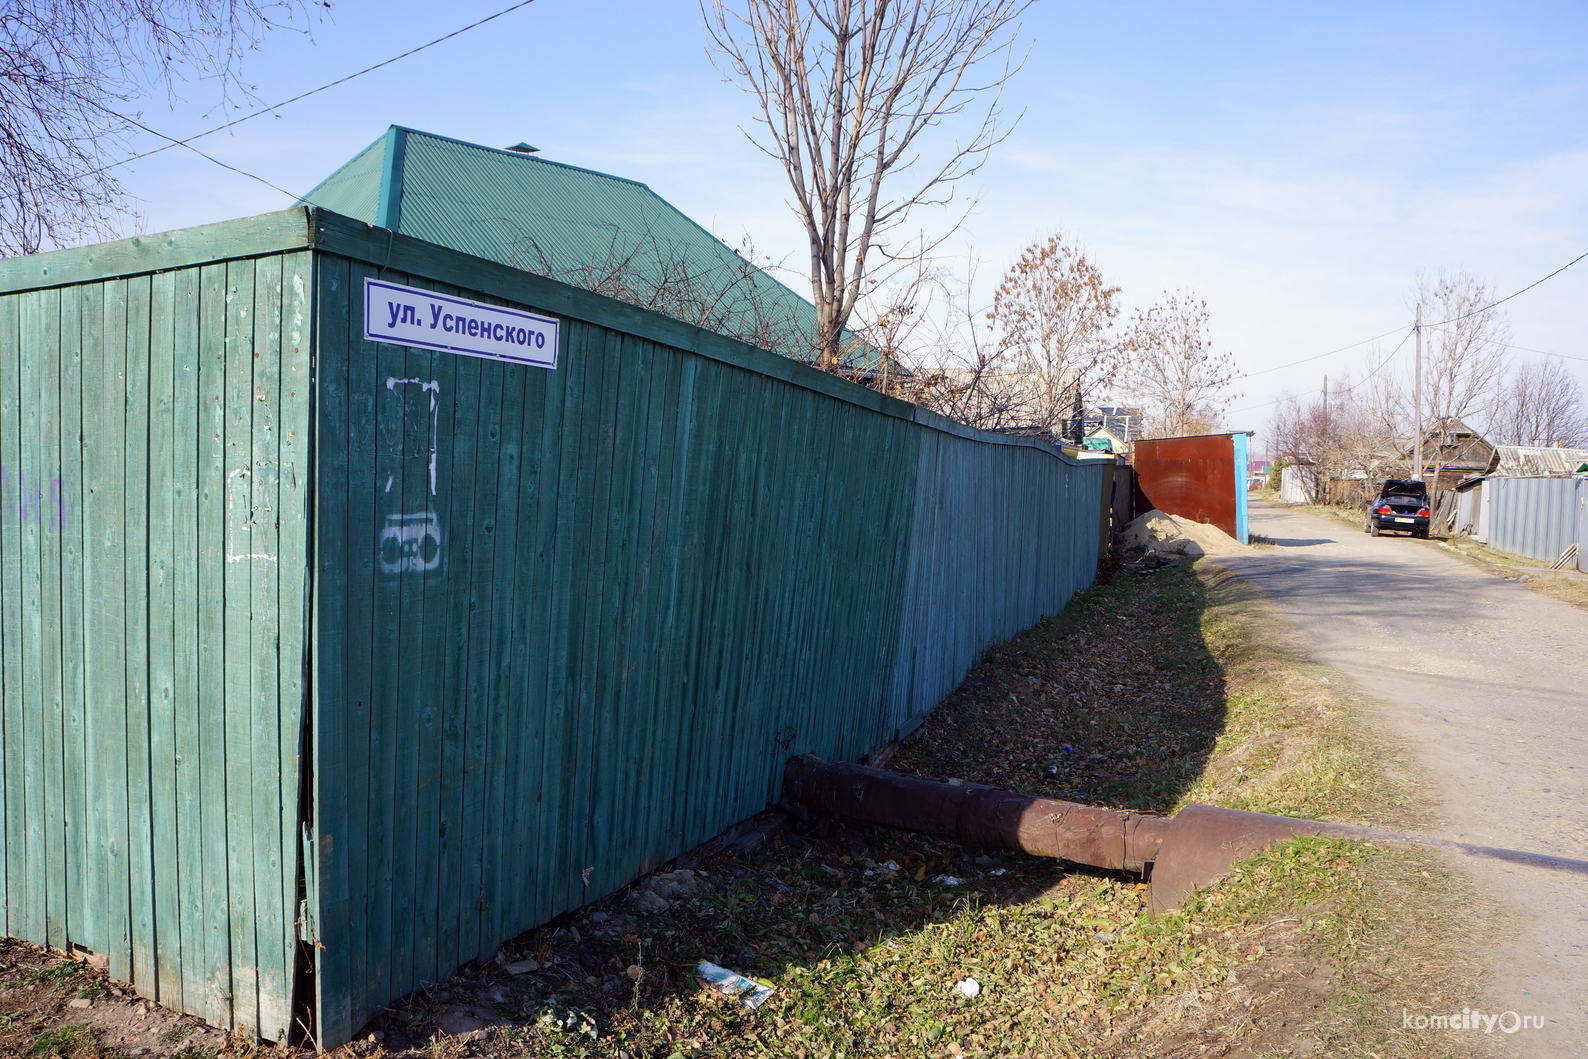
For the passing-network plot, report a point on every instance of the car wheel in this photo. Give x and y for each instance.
(1372, 528)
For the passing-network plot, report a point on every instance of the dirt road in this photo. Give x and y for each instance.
(1489, 682)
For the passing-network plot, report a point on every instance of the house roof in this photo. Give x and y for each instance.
(587, 228)
(1528, 461)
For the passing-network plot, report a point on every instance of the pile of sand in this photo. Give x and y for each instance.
(1169, 535)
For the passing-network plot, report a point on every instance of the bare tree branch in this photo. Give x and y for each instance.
(846, 89)
(68, 71)
(1173, 369)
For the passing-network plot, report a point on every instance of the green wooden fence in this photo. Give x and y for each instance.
(153, 471)
(653, 574)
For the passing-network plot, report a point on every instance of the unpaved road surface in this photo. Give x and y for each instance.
(1489, 682)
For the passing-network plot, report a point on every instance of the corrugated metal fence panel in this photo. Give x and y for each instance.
(1535, 518)
(153, 440)
(1191, 477)
(656, 576)
(1002, 537)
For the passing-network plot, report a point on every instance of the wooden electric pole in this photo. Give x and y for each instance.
(1417, 401)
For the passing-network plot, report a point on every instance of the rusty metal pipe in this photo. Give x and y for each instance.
(974, 815)
(1178, 855)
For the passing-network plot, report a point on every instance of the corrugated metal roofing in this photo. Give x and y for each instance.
(594, 230)
(1527, 461)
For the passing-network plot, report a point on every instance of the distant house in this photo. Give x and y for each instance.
(1114, 421)
(1452, 453)
(597, 231)
(1101, 439)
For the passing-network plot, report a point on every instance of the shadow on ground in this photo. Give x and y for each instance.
(1118, 701)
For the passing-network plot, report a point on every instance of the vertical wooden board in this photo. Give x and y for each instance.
(413, 684)
(35, 925)
(703, 645)
(473, 519)
(340, 760)
(17, 895)
(188, 421)
(685, 557)
(559, 614)
(50, 527)
(597, 683)
(722, 571)
(510, 703)
(640, 641)
(525, 535)
(212, 487)
(135, 557)
(237, 435)
(266, 619)
(292, 519)
(366, 727)
(91, 312)
(435, 490)
(647, 760)
(108, 687)
(165, 839)
(583, 547)
(766, 652)
(69, 511)
(459, 517)
(390, 782)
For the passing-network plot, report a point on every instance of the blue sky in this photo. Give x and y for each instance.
(1294, 167)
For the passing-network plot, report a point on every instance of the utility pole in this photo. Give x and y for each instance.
(1417, 401)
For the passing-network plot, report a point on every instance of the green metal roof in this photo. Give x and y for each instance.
(593, 230)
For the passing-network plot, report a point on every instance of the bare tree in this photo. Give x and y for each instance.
(847, 89)
(1541, 403)
(1464, 365)
(1054, 312)
(1173, 370)
(68, 71)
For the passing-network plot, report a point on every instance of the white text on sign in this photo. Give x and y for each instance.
(408, 316)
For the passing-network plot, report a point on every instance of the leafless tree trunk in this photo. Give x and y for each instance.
(68, 70)
(847, 89)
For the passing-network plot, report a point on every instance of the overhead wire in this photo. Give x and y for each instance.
(1508, 297)
(1412, 327)
(286, 102)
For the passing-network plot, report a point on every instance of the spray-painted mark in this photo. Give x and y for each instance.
(410, 544)
(411, 541)
(25, 501)
(434, 389)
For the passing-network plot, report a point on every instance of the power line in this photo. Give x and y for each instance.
(1332, 352)
(286, 102)
(1508, 297)
(1309, 393)
(208, 157)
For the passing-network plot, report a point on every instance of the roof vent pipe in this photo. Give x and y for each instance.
(524, 148)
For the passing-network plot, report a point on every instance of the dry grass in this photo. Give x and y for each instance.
(1148, 692)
